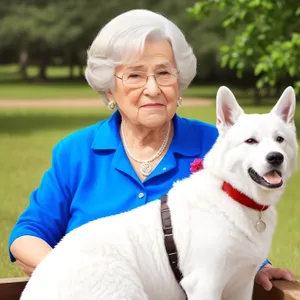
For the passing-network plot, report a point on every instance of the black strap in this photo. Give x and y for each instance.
(168, 237)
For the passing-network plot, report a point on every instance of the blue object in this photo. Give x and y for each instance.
(266, 262)
(91, 177)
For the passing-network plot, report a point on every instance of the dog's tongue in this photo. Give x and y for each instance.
(272, 177)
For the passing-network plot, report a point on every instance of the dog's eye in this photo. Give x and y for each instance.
(251, 141)
(279, 139)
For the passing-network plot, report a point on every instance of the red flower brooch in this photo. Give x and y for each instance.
(196, 165)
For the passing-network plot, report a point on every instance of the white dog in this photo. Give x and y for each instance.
(221, 243)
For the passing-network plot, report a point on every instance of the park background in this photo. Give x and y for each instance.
(252, 46)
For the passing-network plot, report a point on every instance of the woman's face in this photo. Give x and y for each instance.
(150, 105)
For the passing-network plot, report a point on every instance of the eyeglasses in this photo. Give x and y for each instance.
(137, 79)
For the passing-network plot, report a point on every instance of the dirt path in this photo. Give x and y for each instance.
(187, 102)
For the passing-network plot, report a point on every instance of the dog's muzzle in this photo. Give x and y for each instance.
(272, 179)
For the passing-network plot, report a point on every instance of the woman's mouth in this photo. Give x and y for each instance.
(153, 105)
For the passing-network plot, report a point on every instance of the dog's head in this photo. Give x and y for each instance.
(255, 153)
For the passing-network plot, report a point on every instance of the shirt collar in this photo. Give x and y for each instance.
(186, 140)
(108, 135)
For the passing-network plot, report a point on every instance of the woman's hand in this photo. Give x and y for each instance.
(267, 273)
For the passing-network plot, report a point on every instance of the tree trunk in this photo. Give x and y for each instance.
(69, 58)
(278, 90)
(43, 69)
(81, 69)
(81, 62)
(257, 97)
(23, 64)
(71, 70)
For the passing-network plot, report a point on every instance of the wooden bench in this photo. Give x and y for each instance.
(11, 289)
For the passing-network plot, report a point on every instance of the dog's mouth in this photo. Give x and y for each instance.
(271, 179)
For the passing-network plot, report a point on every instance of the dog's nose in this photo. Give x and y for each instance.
(275, 158)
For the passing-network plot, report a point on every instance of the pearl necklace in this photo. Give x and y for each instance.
(145, 166)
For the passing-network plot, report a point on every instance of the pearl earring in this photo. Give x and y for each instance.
(112, 105)
(179, 101)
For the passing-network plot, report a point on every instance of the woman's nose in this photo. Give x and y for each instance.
(151, 86)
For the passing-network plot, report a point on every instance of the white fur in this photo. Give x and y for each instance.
(220, 251)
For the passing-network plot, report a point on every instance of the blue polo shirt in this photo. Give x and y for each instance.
(91, 177)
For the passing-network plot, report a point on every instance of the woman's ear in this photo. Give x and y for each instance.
(109, 95)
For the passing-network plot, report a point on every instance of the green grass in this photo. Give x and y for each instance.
(27, 137)
(48, 90)
(58, 86)
(11, 72)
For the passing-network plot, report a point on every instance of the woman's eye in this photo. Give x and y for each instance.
(279, 139)
(134, 76)
(251, 141)
(163, 73)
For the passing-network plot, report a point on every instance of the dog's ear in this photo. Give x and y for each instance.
(285, 106)
(228, 110)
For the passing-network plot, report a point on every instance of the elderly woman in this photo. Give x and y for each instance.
(141, 63)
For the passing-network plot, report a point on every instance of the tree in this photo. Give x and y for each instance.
(267, 37)
(33, 30)
(65, 28)
(60, 32)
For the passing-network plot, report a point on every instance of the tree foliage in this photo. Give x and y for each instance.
(59, 32)
(267, 37)
(45, 30)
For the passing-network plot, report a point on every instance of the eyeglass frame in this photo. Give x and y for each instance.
(175, 74)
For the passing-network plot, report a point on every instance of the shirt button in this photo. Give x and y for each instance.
(141, 195)
(164, 168)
